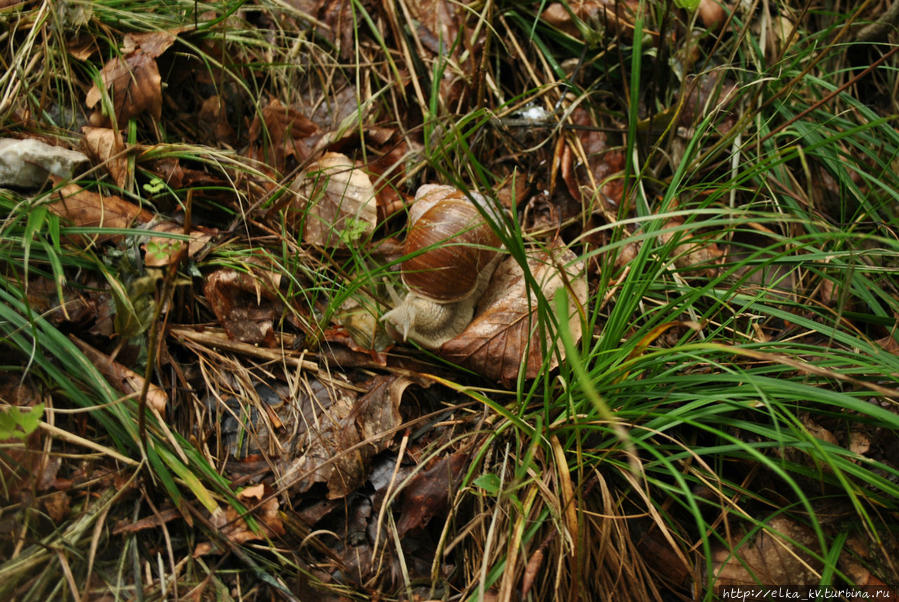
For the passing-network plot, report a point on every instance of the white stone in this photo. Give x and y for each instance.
(27, 163)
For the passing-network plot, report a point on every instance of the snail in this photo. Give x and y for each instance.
(452, 253)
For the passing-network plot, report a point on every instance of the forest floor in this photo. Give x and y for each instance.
(667, 363)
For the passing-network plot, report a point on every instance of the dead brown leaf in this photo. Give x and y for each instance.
(437, 23)
(151, 522)
(245, 304)
(213, 120)
(152, 43)
(708, 93)
(57, 505)
(80, 306)
(80, 47)
(280, 134)
(769, 557)
(692, 251)
(178, 176)
(132, 79)
(125, 380)
(135, 86)
(616, 16)
(90, 209)
(105, 146)
(264, 509)
(338, 16)
(585, 180)
(502, 336)
(429, 492)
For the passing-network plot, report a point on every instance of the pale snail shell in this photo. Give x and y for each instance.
(453, 252)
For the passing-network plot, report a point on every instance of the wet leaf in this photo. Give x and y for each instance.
(503, 334)
(429, 493)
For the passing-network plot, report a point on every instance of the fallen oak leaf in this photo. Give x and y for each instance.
(429, 492)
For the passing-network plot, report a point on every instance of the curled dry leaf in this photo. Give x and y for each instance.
(503, 335)
(246, 305)
(132, 79)
(105, 145)
(280, 133)
(337, 204)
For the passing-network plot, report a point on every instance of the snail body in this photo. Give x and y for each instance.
(452, 253)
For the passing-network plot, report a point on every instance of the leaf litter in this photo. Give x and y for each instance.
(345, 456)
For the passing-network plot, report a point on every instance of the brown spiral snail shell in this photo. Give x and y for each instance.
(452, 252)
